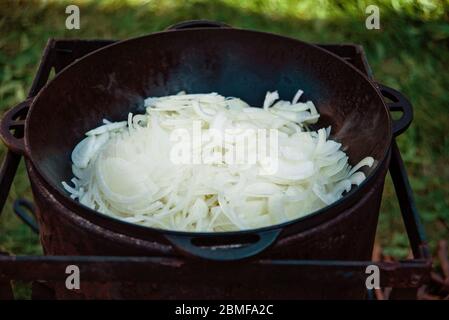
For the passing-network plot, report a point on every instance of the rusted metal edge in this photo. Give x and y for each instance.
(12, 160)
(43, 71)
(404, 274)
(410, 215)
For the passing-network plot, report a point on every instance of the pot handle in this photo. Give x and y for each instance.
(192, 24)
(400, 103)
(186, 246)
(14, 119)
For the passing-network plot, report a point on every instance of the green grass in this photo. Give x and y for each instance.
(409, 53)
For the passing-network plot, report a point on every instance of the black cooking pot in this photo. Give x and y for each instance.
(201, 57)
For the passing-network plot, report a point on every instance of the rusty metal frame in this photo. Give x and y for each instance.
(405, 277)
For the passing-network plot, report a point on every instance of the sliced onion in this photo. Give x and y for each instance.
(123, 169)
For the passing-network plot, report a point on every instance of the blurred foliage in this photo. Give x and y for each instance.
(409, 52)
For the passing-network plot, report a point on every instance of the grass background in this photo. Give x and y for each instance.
(409, 52)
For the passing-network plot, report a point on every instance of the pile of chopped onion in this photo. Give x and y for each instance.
(123, 169)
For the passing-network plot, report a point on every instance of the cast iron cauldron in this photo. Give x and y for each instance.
(204, 57)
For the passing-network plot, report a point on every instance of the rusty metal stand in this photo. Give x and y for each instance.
(405, 277)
